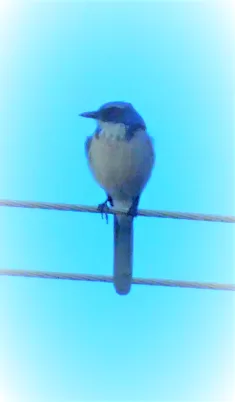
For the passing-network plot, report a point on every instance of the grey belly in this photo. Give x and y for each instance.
(121, 168)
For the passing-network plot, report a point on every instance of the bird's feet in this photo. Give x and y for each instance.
(103, 208)
(133, 210)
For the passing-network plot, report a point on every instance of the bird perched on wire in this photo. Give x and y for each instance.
(121, 158)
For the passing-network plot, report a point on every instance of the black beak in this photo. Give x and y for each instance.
(89, 115)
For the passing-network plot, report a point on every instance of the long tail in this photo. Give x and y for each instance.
(123, 253)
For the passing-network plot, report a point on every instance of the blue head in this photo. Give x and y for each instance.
(118, 113)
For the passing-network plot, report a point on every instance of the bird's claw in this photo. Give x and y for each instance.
(104, 208)
(132, 211)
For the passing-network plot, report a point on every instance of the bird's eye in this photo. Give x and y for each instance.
(111, 113)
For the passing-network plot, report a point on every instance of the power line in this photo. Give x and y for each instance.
(141, 212)
(109, 279)
(105, 278)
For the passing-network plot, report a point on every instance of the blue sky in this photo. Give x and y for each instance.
(70, 342)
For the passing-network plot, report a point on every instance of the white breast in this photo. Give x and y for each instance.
(122, 168)
(116, 131)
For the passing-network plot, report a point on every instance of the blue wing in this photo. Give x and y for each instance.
(89, 140)
(88, 144)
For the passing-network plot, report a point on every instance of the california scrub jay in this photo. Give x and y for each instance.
(121, 157)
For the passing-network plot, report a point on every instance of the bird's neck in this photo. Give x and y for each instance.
(116, 131)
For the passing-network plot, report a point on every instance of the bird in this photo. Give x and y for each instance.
(121, 158)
